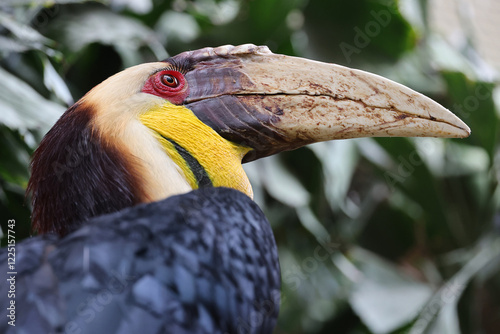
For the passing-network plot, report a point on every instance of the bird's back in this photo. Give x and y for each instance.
(204, 262)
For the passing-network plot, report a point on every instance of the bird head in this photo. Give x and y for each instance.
(165, 128)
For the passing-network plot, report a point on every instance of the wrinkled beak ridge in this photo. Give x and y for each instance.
(273, 102)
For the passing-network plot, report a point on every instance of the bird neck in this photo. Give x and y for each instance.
(204, 157)
(76, 174)
(99, 158)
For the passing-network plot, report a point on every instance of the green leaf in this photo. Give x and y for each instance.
(356, 32)
(382, 293)
(94, 24)
(218, 12)
(15, 157)
(23, 108)
(281, 184)
(45, 3)
(174, 26)
(8, 45)
(443, 304)
(55, 83)
(24, 37)
(409, 173)
(473, 102)
(339, 160)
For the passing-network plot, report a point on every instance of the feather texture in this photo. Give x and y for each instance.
(203, 262)
(75, 175)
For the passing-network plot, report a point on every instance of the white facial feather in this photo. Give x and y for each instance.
(118, 101)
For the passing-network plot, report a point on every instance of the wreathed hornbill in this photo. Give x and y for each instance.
(156, 153)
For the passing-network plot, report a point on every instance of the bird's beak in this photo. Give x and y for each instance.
(273, 103)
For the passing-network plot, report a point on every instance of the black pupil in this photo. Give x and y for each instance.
(169, 80)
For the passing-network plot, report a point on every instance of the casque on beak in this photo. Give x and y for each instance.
(273, 103)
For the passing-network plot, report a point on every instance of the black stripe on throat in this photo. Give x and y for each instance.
(200, 174)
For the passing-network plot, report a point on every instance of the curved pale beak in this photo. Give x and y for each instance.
(273, 103)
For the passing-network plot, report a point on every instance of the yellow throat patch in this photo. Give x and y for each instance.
(202, 154)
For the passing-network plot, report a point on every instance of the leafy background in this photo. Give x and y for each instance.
(390, 235)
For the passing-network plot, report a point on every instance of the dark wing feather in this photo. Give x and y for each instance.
(204, 262)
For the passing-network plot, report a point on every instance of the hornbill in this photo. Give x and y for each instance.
(144, 210)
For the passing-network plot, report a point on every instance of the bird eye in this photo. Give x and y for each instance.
(168, 84)
(169, 80)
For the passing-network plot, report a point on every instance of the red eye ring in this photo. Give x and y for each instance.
(168, 84)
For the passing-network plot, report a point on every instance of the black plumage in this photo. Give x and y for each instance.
(75, 175)
(203, 262)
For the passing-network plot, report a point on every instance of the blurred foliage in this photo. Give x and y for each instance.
(389, 235)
